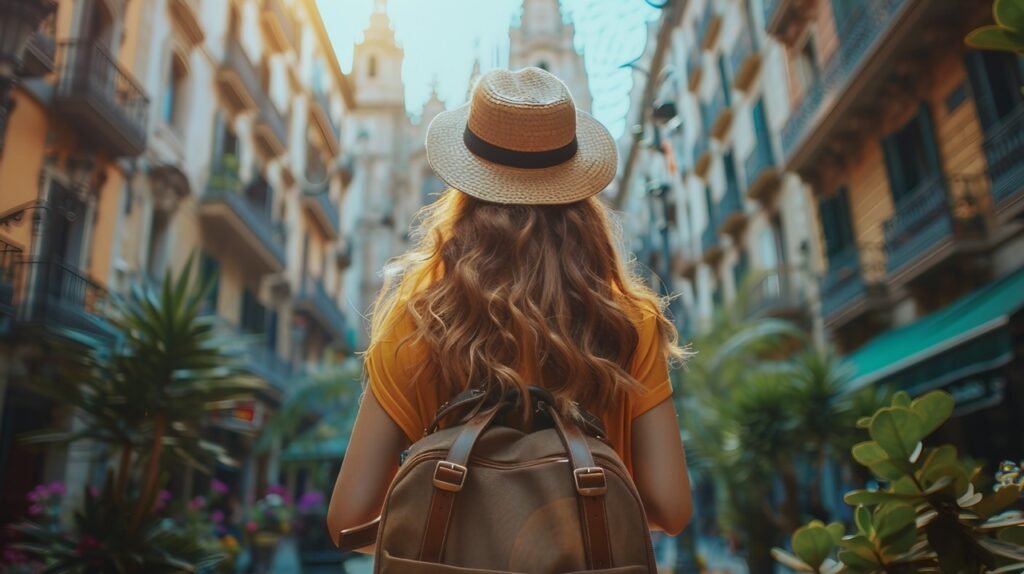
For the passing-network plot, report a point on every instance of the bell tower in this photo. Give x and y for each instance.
(377, 65)
(543, 39)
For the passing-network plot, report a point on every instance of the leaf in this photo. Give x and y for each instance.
(873, 456)
(858, 552)
(1003, 548)
(790, 561)
(1009, 14)
(874, 497)
(934, 409)
(813, 544)
(995, 38)
(862, 518)
(1013, 535)
(901, 399)
(897, 430)
(896, 528)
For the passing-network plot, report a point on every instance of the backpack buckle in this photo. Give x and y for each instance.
(449, 476)
(590, 481)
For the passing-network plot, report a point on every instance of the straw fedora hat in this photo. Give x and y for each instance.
(520, 139)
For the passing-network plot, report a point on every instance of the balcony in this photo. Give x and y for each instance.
(313, 302)
(40, 49)
(330, 131)
(1004, 149)
(100, 99)
(709, 241)
(323, 210)
(257, 358)
(238, 78)
(784, 19)
(701, 154)
(278, 26)
(186, 15)
(244, 227)
(710, 26)
(875, 70)
(271, 128)
(731, 216)
(60, 297)
(745, 60)
(694, 67)
(854, 285)
(716, 114)
(780, 292)
(10, 271)
(762, 175)
(941, 219)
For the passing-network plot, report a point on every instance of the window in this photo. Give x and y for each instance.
(157, 251)
(371, 68)
(836, 223)
(911, 158)
(731, 182)
(254, 315)
(995, 78)
(174, 95)
(543, 65)
(209, 272)
(806, 66)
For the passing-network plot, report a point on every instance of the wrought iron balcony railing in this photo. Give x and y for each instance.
(938, 209)
(741, 51)
(239, 76)
(59, 296)
(271, 126)
(851, 275)
(102, 99)
(324, 209)
(323, 100)
(778, 291)
(225, 187)
(41, 49)
(314, 301)
(1004, 149)
(858, 34)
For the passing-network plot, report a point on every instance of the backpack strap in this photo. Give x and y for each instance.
(591, 486)
(449, 478)
(472, 396)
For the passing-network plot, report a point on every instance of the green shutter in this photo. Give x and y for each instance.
(894, 167)
(927, 127)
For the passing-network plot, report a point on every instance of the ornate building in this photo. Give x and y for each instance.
(543, 39)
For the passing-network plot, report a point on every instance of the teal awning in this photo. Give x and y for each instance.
(969, 336)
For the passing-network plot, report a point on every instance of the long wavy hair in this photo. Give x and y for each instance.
(503, 296)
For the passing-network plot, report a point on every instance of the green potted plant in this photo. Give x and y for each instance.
(1007, 34)
(931, 516)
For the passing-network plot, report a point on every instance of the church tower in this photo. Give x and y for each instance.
(544, 40)
(377, 63)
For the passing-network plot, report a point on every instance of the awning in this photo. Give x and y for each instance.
(964, 339)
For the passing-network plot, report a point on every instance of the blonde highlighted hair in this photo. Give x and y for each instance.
(503, 296)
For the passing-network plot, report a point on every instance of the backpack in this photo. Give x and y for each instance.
(480, 497)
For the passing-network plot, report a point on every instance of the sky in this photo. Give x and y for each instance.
(441, 39)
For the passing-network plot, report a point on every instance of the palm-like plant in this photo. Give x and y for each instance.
(148, 396)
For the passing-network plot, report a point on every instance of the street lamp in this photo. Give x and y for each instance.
(18, 19)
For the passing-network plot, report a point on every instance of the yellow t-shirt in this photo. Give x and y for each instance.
(390, 367)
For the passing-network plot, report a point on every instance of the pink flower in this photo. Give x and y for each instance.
(94, 492)
(217, 516)
(197, 503)
(35, 509)
(218, 487)
(57, 487)
(251, 526)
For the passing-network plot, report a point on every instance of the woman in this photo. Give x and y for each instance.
(514, 282)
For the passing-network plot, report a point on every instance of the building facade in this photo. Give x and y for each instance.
(171, 129)
(851, 166)
(543, 39)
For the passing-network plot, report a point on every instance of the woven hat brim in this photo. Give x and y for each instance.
(587, 173)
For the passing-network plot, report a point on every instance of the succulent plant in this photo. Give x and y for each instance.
(1007, 34)
(930, 517)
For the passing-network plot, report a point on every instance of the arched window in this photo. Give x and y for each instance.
(371, 67)
(543, 65)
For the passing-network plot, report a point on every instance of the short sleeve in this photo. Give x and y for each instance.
(385, 365)
(650, 367)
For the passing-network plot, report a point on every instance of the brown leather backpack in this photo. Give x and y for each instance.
(479, 497)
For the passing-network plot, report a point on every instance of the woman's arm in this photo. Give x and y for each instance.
(659, 469)
(370, 464)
